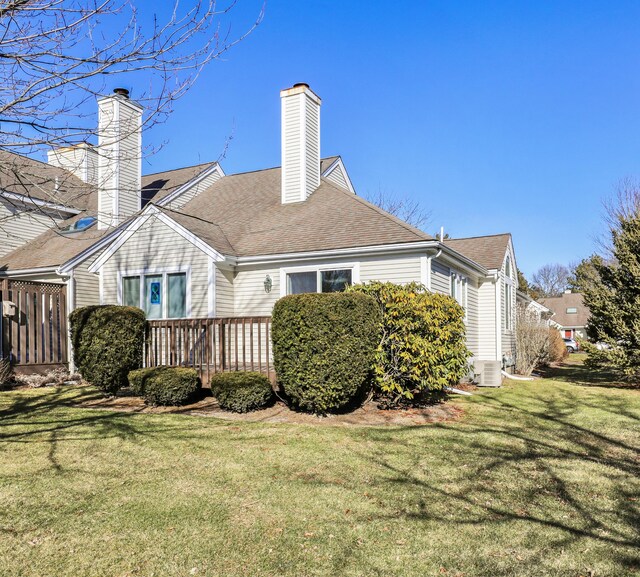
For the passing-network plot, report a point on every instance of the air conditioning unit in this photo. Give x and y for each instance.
(488, 373)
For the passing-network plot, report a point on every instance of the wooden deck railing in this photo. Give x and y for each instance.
(211, 345)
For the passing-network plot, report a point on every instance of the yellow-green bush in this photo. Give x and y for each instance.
(422, 346)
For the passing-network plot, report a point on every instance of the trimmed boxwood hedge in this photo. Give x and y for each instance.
(324, 347)
(138, 378)
(166, 385)
(241, 392)
(108, 343)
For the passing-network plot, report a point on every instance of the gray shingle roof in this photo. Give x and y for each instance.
(40, 181)
(247, 208)
(52, 248)
(559, 305)
(488, 251)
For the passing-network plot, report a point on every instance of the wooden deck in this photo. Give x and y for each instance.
(211, 345)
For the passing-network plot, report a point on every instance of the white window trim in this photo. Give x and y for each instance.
(164, 272)
(508, 282)
(353, 266)
(455, 277)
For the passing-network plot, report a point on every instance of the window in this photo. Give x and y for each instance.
(159, 295)
(507, 268)
(177, 295)
(81, 224)
(508, 306)
(302, 282)
(572, 310)
(459, 288)
(313, 281)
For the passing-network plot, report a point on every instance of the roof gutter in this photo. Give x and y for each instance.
(321, 254)
(30, 272)
(38, 202)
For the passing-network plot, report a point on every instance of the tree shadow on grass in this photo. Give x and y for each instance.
(573, 371)
(539, 467)
(51, 416)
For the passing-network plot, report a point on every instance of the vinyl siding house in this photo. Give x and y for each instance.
(197, 243)
(571, 315)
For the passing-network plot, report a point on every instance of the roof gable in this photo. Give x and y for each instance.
(489, 251)
(43, 182)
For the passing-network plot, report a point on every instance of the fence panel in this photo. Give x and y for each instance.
(211, 345)
(36, 335)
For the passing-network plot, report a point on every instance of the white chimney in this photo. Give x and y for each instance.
(119, 158)
(81, 160)
(300, 142)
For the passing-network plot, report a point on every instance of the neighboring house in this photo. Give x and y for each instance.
(536, 310)
(196, 243)
(571, 314)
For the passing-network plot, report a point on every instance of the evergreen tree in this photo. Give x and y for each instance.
(611, 290)
(526, 287)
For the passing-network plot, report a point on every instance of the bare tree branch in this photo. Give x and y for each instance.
(405, 208)
(56, 55)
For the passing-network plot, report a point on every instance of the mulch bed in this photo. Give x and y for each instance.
(367, 415)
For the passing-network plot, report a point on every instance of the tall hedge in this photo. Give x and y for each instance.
(422, 344)
(108, 342)
(323, 347)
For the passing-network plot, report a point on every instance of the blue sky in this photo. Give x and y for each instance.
(496, 116)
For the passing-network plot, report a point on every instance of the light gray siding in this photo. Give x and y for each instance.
(472, 317)
(87, 286)
(337, 176)
(397, 269)
(224, 293)
(312, 148)
(487, 321)
(250, 294)
(508, 334)
(440, 278)
(19, 224)
(155, 248)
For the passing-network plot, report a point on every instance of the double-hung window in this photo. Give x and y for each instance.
(508, 295)
(318, 281)
(159, 295)
(459, 289)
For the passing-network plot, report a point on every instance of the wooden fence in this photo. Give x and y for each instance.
(34, 338)
(211, 345)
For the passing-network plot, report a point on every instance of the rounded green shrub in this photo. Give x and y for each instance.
(241, 392)
(170, 386)
(138, 378)
(108, 343)
(422, 346)
(323, 347)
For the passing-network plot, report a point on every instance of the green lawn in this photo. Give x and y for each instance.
(536, 479)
